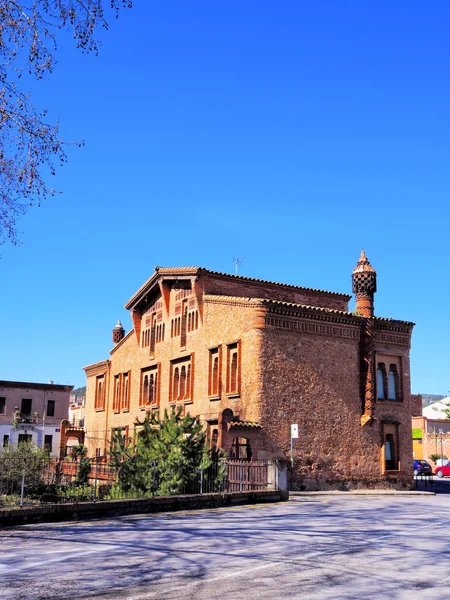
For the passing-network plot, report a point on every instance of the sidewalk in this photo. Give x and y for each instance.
(364, 493)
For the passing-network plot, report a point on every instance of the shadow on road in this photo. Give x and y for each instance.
(432, 484)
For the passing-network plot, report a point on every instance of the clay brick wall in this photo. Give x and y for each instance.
(314, 381)
(254, 289)
(416, 405)
(225, 321)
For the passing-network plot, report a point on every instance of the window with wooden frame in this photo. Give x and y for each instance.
(215, 373)
(116, 393)
(125, 400)
(181, 384)
(99, 393)
(150, 386)
(184, 316)
(234, 369)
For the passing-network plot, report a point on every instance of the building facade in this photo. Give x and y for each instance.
(32, 412)
(250, 358)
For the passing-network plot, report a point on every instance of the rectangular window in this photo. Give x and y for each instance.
(48, 443)
(100, 392)
(116, 396)
(150, 386)
(5, 440)
(389, 379)
(215, 372)
(2, 405)
(26, 406)
(126, 391)
(24, 438)
(181, 383)
(119, 433)
(50, 408)
(234, 369)
(391, 447)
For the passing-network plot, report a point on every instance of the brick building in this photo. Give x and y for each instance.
(251, 357)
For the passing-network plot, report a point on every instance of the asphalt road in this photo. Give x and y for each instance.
(325, 547)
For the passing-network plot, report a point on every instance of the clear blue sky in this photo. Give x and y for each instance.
(292, 133)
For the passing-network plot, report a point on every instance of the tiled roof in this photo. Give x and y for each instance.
(334, 311)
(202, 270)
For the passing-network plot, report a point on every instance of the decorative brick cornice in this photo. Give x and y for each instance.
(231, 300)
(98, 368)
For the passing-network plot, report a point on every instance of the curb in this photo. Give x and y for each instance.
(363, 493)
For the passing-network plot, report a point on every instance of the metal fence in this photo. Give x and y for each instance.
(50, 480)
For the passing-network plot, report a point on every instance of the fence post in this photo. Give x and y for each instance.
(201, 480)
(153, 482)
(95, 479)
(22, 488)
(240, 477)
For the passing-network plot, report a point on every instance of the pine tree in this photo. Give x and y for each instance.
(166, 456)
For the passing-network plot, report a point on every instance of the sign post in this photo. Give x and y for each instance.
(294, 436)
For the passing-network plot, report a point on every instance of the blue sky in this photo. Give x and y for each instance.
(292, 133)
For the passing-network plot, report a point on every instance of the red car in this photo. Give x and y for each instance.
(443, 471)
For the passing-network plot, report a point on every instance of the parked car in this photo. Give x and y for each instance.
(443, 471)
(423, 467)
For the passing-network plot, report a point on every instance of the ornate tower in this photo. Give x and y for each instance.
(118, 332)
(364, 279)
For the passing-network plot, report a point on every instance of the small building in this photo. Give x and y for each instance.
(430, 429)
(32, 412)
(250, 358)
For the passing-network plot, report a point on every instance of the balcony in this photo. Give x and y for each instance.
(75, 424)
(25, 419)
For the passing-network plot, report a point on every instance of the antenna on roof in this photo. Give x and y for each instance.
(237, 263)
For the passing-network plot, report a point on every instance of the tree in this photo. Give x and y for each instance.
(165, 458)
(30, 145)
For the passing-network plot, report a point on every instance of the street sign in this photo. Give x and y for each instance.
(294, 431)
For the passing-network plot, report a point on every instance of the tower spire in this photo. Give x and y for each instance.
(364, 280)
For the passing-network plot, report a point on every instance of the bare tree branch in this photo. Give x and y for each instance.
(30, 147)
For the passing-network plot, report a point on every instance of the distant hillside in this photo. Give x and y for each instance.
(81, 391)
(428, 399)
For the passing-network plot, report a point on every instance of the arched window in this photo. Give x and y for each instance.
(381, 381)
(176, 384)
(233, 372)
(188, 382)
(214, 438)
(215, 376)
(196, 319)
(182, 383)
(151, 389)
(144, 390)
(393, 383)
(125, 394)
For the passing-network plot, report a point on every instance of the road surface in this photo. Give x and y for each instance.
(327, 547)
